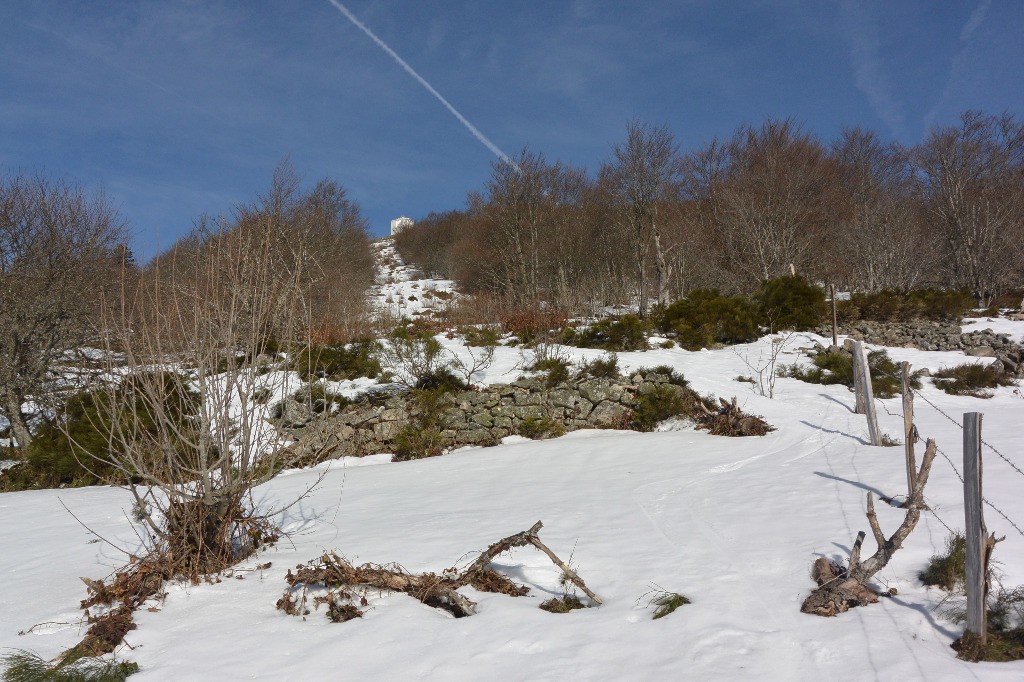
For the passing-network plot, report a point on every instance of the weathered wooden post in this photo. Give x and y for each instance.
(858, 388)
(909, 433)
(975, 533)
(862, 373)
(835, 338)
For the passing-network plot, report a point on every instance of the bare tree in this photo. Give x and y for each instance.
(971, 176)
(641, 176)
(881, 240)
(775, 201)
(322, 233)
(196, 343)
(58, 247)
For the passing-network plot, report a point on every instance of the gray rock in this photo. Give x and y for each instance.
(608, 413)
(595, 390)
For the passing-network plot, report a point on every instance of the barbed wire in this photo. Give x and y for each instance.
(983, 441)
(938, 518)
(983, 499)
(938, 409)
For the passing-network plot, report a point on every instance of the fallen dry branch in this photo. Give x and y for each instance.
(345, 582)
(730, 420)
(839, 588)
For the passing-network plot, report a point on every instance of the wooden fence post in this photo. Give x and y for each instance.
(863, 374)
(975, 532)
(909, 433)
(835, 338)
(858, 388)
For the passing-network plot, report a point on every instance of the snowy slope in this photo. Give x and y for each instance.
(401, 291)
(732, 523)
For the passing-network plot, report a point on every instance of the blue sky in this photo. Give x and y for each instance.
(179, 107)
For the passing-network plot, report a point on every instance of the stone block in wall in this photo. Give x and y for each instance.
(529, 398)
(561, 397)
(596, 390)
(608, 413)
(529, 412)
(583, 408)
(387, 431)
(453, 417)
(483, 419)
(479, 436)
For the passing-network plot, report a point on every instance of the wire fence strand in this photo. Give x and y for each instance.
(952, 419)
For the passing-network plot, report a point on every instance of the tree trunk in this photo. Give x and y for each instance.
(18, 427)
(664, 270)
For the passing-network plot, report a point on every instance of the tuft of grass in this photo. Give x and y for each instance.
(667, 602)
(537, 429)
(970, 379)
(948, 570)
(1000, 647)
(563, 604)
(25, 666)
(606, 367)
(889, 441)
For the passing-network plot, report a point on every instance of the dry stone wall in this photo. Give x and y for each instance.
(484, 417)
(933, 336)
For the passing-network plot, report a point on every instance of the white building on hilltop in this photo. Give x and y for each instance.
(399, 224)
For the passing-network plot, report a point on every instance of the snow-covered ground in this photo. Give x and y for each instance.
(399, 289)
(734, 524)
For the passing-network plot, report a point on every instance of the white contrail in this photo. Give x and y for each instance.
(412, 72)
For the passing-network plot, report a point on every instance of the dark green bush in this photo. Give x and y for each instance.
(893, 306)
(71, 452)
(557, 370)
(481, 336)
(319, 398)
(624, 334)
(706, 317)
(790, 303)
(337, 362)
(656, 406)
(421, 436)
(441, 379)
(971, 379)
(837, 368)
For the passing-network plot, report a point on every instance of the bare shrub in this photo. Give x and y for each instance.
(203, 327)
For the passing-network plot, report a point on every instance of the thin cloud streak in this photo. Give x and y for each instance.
(870, 77)
(976, 19)
(422, 81)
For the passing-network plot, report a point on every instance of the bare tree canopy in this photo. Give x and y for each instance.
(58, 249)
(972, 177)
(642, 177)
